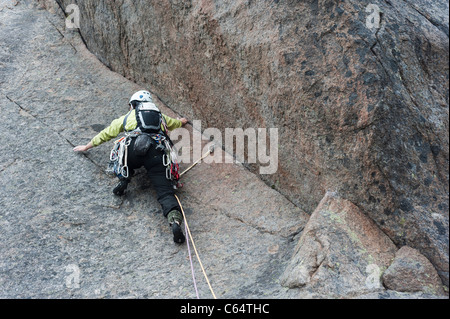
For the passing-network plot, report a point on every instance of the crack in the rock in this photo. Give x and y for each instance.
(435, 23)
(57, 133)
(8, 165)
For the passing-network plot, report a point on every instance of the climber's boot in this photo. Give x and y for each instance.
(120, 188)
(175, 219)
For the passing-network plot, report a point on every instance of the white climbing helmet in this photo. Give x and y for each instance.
(142, 96)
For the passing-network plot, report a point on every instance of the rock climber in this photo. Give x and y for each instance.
(145, 120)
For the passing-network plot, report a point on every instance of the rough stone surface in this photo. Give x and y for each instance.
(412, 272)
(341, 247)
(361, 111)
(64, 235)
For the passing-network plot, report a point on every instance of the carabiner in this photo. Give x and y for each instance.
(168, 174)
(166, 160)
(128, 141)
(124, 171)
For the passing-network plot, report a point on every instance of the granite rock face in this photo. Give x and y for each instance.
(361, 107)
(64, 235)
(341, 252)
(412, 272)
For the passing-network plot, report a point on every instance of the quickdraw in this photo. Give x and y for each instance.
(170, 161)
(119, 157)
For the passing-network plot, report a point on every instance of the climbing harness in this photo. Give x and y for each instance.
(119, 154)
(189, 236)
(151, 130)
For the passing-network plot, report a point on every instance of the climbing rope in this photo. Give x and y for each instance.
(210, 151)
(192, 265)
(195, 250)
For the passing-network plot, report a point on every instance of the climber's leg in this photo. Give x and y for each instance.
(165, 193)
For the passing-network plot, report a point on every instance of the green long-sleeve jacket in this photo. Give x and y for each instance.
(116, 127)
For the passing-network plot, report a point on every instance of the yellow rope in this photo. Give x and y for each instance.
(198, 161)
(195, 249)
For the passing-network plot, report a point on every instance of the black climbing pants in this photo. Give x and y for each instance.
(153, 163)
